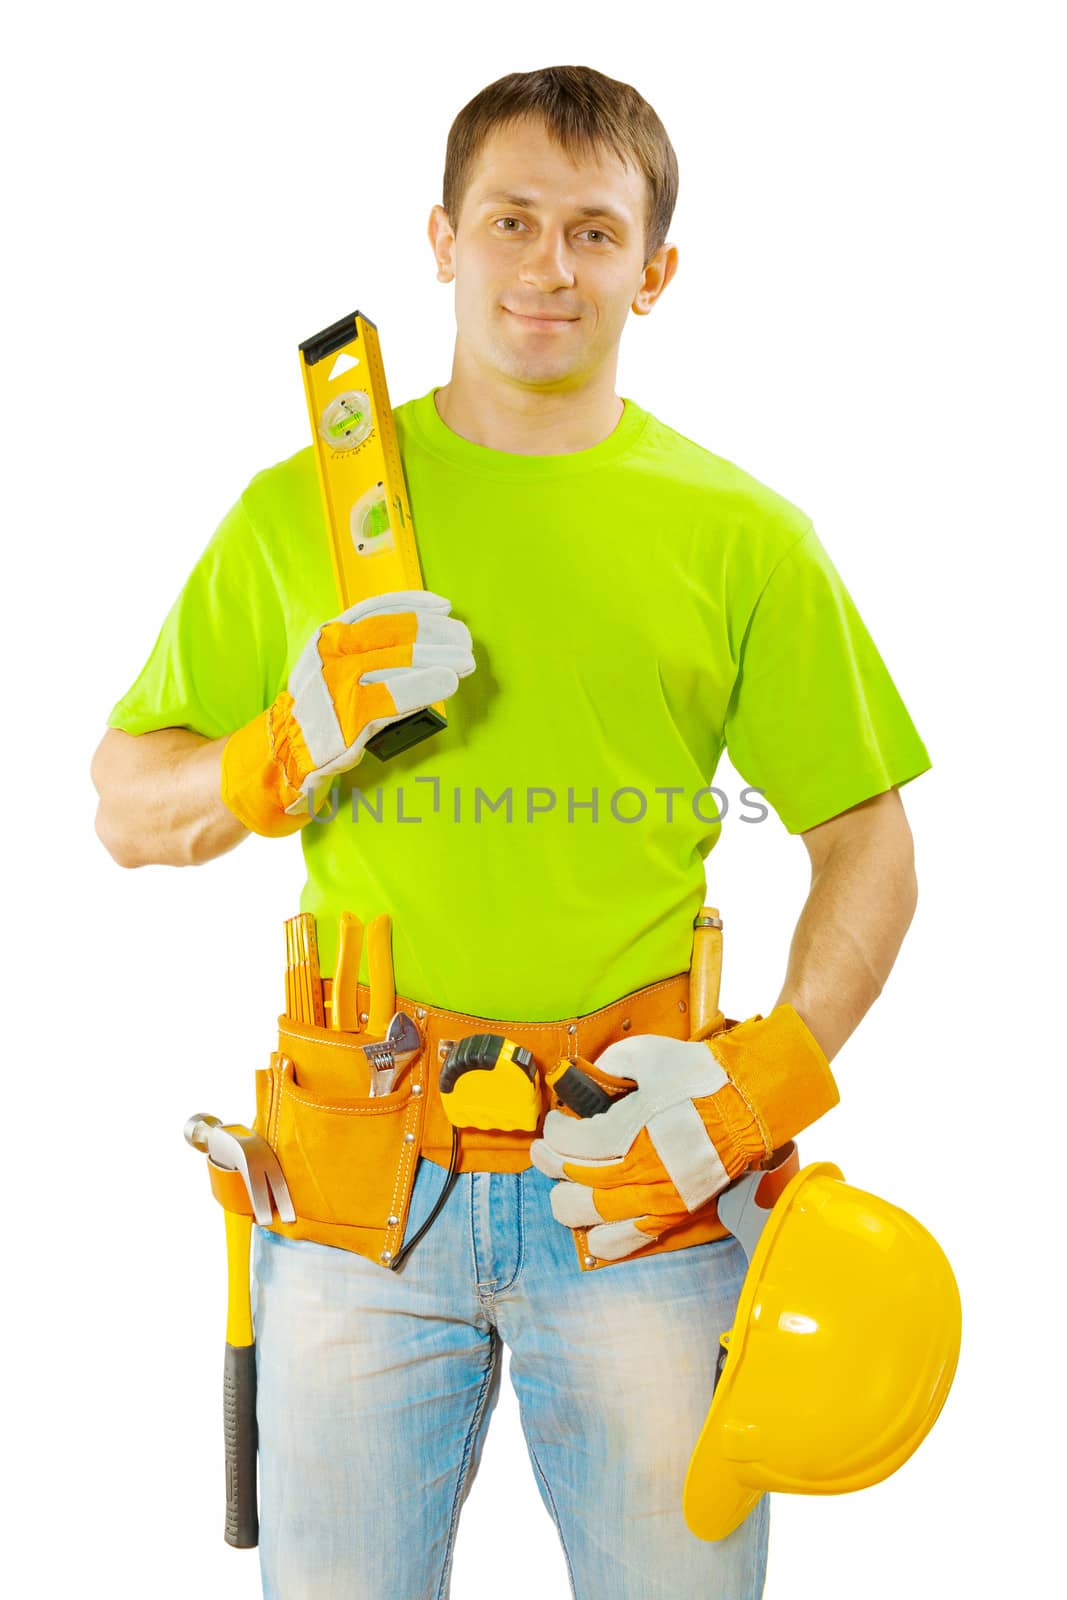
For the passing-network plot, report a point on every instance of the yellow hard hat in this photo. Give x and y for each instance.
(842, 1352)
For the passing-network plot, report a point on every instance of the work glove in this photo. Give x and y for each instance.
(383, 658)
(701, 1113)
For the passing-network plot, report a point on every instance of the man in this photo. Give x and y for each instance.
(631, 605)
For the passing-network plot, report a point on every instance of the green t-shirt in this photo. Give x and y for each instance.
(635, 608)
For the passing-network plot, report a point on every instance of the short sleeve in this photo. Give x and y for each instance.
(815, 721)
(220, 653)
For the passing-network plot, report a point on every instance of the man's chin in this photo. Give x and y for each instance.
(521, 367)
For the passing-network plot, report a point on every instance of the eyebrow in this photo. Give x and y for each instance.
(583, 211)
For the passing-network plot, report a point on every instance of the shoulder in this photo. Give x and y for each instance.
(736, 503)
(270, 550)
(274, 493)
(725, 484)
(286, 523)
(288, 492)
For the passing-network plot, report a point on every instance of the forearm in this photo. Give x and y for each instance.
(160, 798)
(861, 901)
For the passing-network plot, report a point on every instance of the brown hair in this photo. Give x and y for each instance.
(581, 109)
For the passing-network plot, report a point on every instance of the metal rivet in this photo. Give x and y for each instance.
(391, 1222)
(572, 1027)
(627, 1025)
(681, 1005)
(409, 1138)
(590, 1261)
(386, 1255)
(420, 1012)
(364, 1016)
(416, 1088)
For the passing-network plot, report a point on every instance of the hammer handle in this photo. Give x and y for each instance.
(239, 1411)
(239, 1389)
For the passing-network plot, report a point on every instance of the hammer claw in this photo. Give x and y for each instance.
(236, 1148)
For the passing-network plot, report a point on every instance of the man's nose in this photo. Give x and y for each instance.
(546, 263)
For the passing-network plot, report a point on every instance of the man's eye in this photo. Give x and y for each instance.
(599, 231)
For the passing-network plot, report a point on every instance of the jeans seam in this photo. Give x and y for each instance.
(489, 1285)
(457, 1498)
(555, 1516)
(521, 1231)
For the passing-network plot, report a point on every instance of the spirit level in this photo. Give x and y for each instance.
(361, 475)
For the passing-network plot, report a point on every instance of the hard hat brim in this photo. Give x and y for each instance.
(714, 1499)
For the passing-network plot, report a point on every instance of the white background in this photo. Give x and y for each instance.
(868, 317)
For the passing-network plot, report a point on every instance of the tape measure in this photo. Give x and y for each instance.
(361, 476)
(487, 1081)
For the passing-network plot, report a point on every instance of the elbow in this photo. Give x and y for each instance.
(116, 841)
(111, 825)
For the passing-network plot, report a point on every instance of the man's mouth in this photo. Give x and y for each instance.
(541, 321)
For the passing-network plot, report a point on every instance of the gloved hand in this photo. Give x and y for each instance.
(702, 1112)
(383, 658)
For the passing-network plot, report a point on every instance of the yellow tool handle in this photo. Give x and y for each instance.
(344, 1001)
(239, 1390)
(380, 970)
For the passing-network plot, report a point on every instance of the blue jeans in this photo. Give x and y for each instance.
(376, 1388)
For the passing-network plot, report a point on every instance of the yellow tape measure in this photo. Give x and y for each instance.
(361, 476)
(488, 1081)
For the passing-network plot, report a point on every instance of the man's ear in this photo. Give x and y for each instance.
(443, 240)
(657, 275)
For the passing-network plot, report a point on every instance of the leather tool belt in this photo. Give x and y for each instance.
(349, 1158)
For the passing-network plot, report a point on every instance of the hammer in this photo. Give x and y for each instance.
(236, 1148)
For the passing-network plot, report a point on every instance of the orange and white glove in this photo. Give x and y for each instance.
(702, 1112)
(383, 658)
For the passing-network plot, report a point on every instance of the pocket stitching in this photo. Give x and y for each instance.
(408, 1152)
(347, 1109)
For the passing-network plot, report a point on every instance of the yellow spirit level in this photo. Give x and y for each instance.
(372, 536)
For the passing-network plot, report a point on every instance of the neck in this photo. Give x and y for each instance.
(502, 414)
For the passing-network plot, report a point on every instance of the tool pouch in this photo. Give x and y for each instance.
(348, 1157)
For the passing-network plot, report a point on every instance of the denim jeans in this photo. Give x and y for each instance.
(376, 1389)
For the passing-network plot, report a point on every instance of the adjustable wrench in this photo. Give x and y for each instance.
(389, 1056)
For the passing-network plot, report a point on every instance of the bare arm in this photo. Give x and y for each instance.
(859, 907)
(160, 798)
